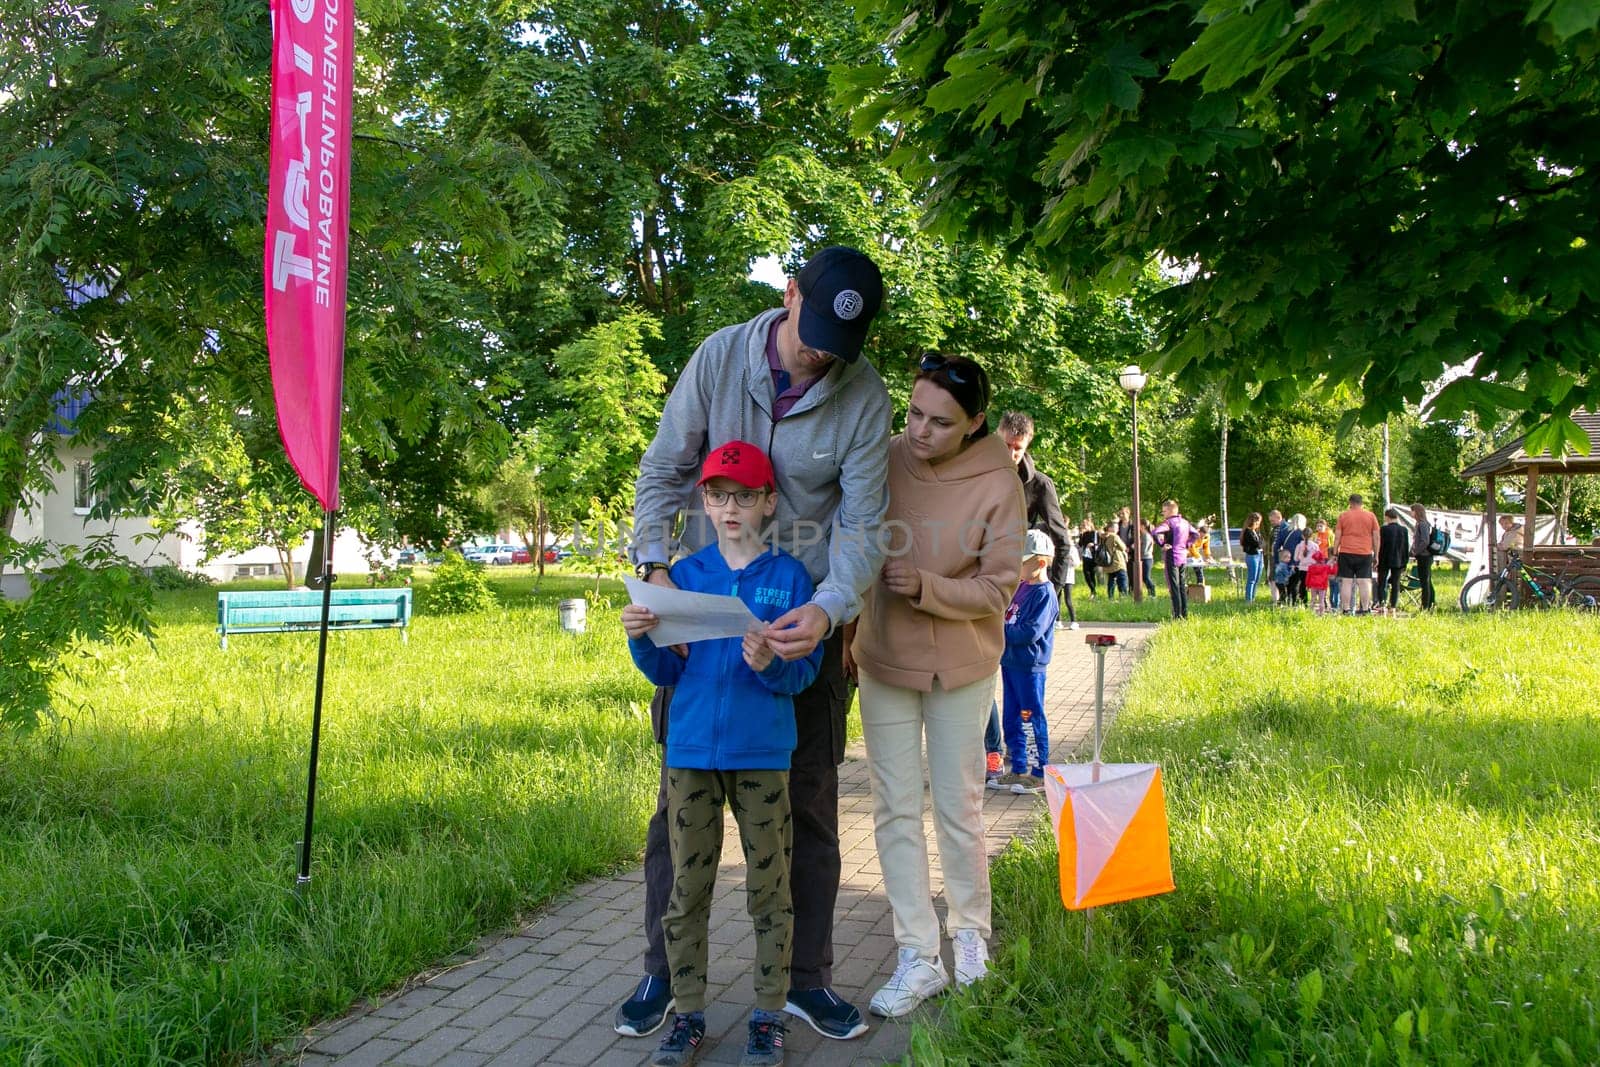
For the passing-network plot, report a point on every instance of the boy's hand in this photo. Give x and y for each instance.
(757, 653)
(638, 620)
(901, 577)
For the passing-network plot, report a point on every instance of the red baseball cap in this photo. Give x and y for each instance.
(741, 461)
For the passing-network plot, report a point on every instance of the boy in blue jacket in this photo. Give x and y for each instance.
(1030, 639)
(731, 731)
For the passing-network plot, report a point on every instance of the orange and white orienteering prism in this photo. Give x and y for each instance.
(1110, 821)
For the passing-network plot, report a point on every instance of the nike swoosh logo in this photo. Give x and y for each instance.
(821, 455)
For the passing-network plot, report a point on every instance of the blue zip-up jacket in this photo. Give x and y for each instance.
(1031, 627)
(725, 716)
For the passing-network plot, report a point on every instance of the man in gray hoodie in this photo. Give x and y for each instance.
(790, 380)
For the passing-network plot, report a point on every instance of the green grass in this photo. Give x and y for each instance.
(148, 846)
(1384, 840)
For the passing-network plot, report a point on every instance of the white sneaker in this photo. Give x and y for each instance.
(1072, 626)
(972, 957)
(914, 980)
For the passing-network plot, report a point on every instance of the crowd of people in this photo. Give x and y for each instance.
(924, 567)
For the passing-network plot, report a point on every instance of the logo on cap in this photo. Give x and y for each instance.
(848, 304)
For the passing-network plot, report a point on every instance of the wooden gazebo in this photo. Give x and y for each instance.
(1514, 460)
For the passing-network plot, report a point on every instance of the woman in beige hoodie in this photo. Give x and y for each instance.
(925, 651)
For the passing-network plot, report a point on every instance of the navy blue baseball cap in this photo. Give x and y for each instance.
(841, 290)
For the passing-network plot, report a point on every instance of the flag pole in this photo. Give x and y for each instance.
(325, 582)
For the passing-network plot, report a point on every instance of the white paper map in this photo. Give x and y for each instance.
(687, 617)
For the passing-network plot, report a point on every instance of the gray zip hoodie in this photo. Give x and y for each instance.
(830, 454)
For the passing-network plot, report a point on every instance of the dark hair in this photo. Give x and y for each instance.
(965, 381)
(1016, 423)
(1252, 520)
(1394, 513)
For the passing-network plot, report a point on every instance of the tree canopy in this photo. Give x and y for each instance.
(1353, 192)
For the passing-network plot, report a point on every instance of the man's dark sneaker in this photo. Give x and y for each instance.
(681, 1043)
(828, 1014)
(644, 1012)
(765, 1046)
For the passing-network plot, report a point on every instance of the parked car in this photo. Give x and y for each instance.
(521, 555)
(489, 553)
(408, 556)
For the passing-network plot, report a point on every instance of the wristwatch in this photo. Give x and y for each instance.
(644, 570)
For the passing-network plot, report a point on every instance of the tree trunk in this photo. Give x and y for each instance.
(541, 527)
(1227, 543)
(286, 561)
(1387, 499)
(313, 565)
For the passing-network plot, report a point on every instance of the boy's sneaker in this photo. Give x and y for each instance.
(643, 1013)
(972, 957)
(914, 980)
(765, 1045)
(681, 1043)
(828, 1013)
(1022, 784)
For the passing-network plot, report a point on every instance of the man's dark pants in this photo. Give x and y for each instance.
(814, 800)
(1389, 579)
(1177, 591)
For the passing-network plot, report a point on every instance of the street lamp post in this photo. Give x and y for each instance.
(1132, 379)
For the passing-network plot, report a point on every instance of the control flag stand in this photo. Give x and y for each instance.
(1110, 821)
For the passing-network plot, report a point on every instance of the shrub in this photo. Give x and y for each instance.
(168, 577)
(458, 587)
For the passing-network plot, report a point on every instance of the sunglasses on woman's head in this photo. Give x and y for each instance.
(933, 361)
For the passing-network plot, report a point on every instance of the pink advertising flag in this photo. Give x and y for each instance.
(308, 227)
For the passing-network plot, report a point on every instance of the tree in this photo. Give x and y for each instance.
(1363, 194)
(587, 451)
(133, 276)
(235, 484)
(1432, 478)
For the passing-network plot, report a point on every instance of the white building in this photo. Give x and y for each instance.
(61, 515)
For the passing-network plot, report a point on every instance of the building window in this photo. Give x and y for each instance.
(82, 486)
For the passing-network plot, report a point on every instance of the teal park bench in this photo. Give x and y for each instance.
(301, 609)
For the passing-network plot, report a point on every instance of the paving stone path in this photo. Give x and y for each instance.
(547, 992)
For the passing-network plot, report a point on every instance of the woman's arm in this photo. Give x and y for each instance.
(999, 560)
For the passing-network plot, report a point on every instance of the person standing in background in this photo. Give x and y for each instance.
(1088, 544)
(1040, 496)
(1174, 534)
(1250, 545)
(1147, 556)
(1356, 542)
(1422, 552)
(1393, 553)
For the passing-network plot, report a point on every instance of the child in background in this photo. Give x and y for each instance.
(1030, 639)
(1282, 571)
(1323, 536)
(1200, 552)
(1305, 554)
(730, 736)
(1113, 561)
(1318, 575)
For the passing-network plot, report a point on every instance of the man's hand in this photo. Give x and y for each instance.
(758, 653)
(638, 621)
(903, 578)
(659, 576)
(794, 634)
(849, 658)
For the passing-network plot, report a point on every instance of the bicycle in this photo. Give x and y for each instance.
(1545, 589)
